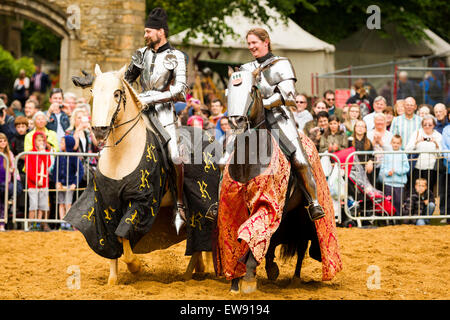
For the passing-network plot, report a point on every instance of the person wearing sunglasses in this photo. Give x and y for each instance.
(301, 114)
(330, 100)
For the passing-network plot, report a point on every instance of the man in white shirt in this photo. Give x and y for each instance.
(379, 104)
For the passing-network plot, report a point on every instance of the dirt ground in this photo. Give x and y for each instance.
(410, 262)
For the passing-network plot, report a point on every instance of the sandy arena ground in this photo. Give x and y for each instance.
(413, 263)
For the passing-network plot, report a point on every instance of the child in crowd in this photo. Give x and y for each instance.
(17, 147)
(393, 173)
(37, 179)
(4, 149)
(421, 202)
(334, 139)
(67, 173)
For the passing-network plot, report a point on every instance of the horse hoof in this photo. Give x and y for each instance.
(235, 283)
(248, 286)
(112, 281)
(296, 281)
(272, 271)
(187, 276)
(134, 266)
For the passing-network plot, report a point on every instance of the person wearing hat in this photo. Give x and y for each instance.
(163, 75)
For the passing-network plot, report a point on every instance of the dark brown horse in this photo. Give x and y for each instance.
(252, 149)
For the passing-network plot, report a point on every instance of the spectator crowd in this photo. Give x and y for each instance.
(365, 123)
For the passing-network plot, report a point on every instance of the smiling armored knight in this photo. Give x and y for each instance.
(163, 76)
(276, 81)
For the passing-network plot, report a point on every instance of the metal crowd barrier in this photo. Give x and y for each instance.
(4, 214)
(51, 216)
(366, 201)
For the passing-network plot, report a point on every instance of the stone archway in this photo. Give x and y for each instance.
(106, 32)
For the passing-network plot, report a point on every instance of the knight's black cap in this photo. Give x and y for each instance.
(157, 19)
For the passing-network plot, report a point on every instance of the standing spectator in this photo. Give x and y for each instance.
(399, 108)
(195, 121)
(386, 92)
(15, 109)
(58, 120)
(379, 135)
(444, 175)
(37, 166)
(319, 106)
(70, 103)
(223, 130)
(21, 87)
(80, 129)
(40, 83)
(330, 99)
(354, 114)
(389, 113)
(420, 203)
(362, 143)
(432, 89)
(361, 98)
(407, 123)
(405, 87)
(393, 174)
(379, 104)
(381, 140)
(18, 141)
(30, 109)
(440, 112)
(301, 114)
(316, 132)
(6, 122)
(40, 122)
(424, 109)
(17, 147)
(67, 173)
(333, 139)
(426, 139)
(4, 149)
(216, 111)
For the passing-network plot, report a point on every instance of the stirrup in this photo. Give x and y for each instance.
(315, 211)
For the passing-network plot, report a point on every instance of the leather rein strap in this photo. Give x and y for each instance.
(122, 98)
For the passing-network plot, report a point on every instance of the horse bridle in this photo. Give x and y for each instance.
(112, 125)
(246, 118)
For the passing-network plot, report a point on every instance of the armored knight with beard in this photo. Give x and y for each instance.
(163, 76)
(277, 85)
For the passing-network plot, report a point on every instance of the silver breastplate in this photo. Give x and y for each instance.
(158, 70)
(264, 87)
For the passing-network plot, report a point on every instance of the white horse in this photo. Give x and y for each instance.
(117, 119)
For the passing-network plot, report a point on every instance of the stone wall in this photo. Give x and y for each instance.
(106, 32)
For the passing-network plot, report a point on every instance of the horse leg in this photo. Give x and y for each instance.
(192, 264)
(301, 250)
(113, 265)
(208, 259)
(200, 266)
(133, 263)
(271, 267)
(248, 281)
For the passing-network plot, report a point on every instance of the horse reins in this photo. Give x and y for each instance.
(112, 125)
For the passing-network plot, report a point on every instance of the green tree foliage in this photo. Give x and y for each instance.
(10, 67)
(37, 40)
(330, 20)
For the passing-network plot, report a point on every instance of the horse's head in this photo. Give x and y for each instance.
(108, 94)
(242, 95)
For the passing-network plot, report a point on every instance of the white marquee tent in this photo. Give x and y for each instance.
(307, 53)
